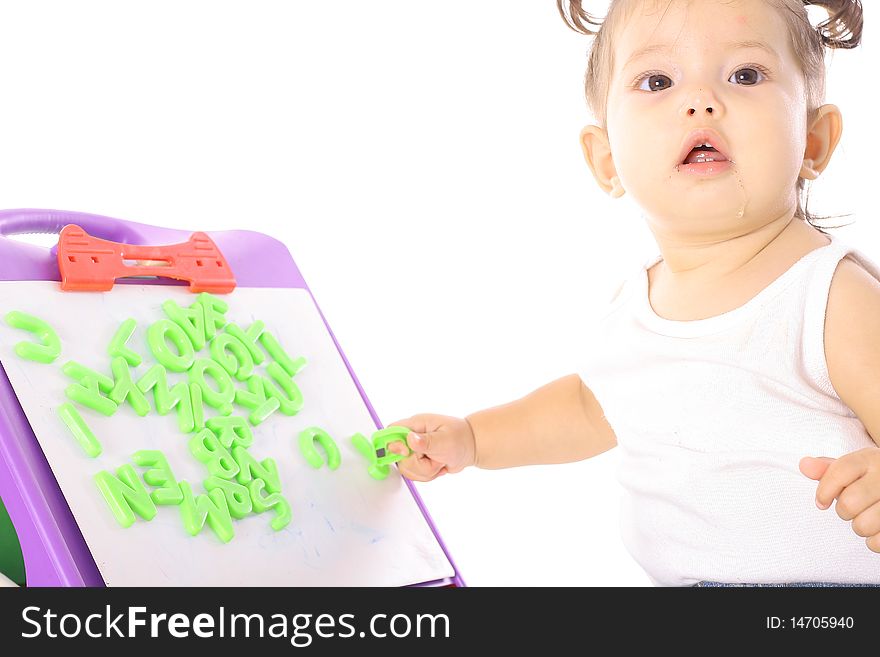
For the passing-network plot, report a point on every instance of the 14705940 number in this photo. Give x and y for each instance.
(810, 622)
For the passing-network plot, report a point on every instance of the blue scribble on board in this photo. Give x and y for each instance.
(327, 520)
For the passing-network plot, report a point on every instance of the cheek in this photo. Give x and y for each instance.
(773, 153)
(771, 137)
(640, 150)
(768, 170)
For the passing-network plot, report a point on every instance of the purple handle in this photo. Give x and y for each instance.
(14, 222)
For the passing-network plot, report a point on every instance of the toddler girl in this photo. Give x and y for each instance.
(739, 370)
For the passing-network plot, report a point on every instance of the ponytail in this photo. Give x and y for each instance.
(844, 20)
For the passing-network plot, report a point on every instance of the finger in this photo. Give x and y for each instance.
(409, 473)
(414, 423)
(401, 423)
(398, 448)
(839, 475)
(873, 543)
(419, 468)
(857, 498)
(440, 473)
(421, 443)
(814, 467)
(867, 522)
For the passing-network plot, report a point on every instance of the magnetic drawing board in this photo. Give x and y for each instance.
(346, 529)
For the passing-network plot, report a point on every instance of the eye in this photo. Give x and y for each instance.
(747, 74)
(654, 80)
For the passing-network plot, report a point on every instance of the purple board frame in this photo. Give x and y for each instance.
(54, 551)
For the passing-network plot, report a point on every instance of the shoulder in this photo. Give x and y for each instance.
(854, 294)
(852, 324)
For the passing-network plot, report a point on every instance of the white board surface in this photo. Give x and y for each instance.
(347, 528)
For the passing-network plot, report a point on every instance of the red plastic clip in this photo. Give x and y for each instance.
(90, 263)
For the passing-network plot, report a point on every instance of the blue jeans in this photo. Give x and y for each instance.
(812, 584)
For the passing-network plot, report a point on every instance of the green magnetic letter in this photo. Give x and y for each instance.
(166, 398)
(280, 356)
(79, 429)
(124, 388)
(282, 512)
(254, 398)
(249, 338)
(291, 400)
(126, 495)
(238, 498)
(211, 507)
(213, 309)
(238, 362)
(156, 339)
(380, 440)
(231, 430)
(366, 449)
(117, 344)
(159, 476)
(50, 346)
(88, 391)
(221, 399)
(198, 408)
(307, 439)
(191, 320)
(250, 468)
(207, 448)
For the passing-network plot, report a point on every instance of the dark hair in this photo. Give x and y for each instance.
(842, 29)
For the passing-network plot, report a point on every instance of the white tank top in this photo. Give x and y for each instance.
(712, 417)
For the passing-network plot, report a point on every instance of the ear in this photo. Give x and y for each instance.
(597, 153)
(822, 137)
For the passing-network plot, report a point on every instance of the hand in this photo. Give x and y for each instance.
(854, 479)
(441, 444)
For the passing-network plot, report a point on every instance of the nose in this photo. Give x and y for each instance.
(701, 102)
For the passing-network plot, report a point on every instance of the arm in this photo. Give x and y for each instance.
(852, 342)
(560, 422)
(852, 351)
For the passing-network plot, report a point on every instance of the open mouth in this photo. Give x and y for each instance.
(704, 153)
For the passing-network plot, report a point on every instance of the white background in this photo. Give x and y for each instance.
(421, 162)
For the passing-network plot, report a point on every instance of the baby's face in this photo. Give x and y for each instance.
(757, 106)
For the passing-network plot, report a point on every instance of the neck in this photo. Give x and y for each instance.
(691, 260)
